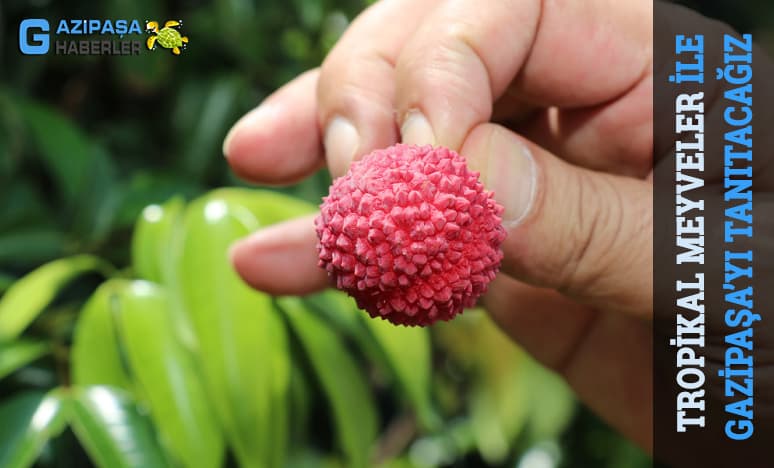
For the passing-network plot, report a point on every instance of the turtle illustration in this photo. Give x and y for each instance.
(168, 37)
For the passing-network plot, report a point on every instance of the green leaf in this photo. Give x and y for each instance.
(301, 397)
(22, 204)
(155, 246)
(29, 421)
(112, 430)
(66, 151)
(152, 187)
(27, 298)
(403, 352)
(96, 357)
(499, 401)
(19, 353)
(82, 170)
(268, 207)
(341, 312)
(242, 343)
(553, 403)
(205, 119)
(350, 398)
(492, 438)
(98, 200)
(152, 241)
(167, 374)
(31, 246)
(408, 353)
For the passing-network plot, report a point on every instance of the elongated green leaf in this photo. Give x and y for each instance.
(112, 430)
(98, 200)
(31, 294)
(167, 374)
(492, 436)
(82, 170)
(31, 246)
(408, 353)
(152, 187)
(268, 207)
(28, 421)
(154, 256)
(500, 398)
(96, 355)
(553, 403)
(216, 107)
(300, 400)
(152, 241)
(341, 312)
(404, 352)
(242, 342)
(350, 398)
(19, 353)
(65, 150)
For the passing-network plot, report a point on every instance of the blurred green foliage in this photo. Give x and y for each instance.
(176, 362)
(127, 340)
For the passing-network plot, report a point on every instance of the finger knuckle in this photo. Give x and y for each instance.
(361, 76)
(448, 63)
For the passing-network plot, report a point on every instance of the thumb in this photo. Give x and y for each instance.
(586, 234)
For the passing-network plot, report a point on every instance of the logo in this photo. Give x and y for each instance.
(91, 36)
(30, 42)
(167, 37)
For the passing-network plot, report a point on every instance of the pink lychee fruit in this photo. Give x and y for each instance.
(411, 234)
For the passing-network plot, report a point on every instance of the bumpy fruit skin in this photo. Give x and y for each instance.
(411, 234)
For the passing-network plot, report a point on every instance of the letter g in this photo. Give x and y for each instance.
(39, 43)
(746, 431)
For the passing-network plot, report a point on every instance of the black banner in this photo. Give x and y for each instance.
(714, 225)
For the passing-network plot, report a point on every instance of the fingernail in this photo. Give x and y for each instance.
(341, 142)
(508, 169)
(257, 119)
(416, 129)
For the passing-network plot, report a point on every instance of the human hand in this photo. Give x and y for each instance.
(572, 84)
